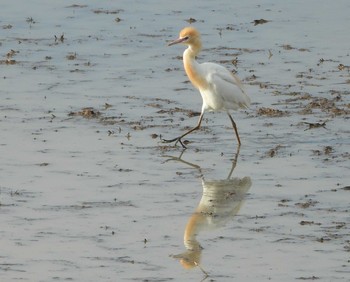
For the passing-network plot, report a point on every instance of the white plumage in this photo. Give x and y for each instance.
(225, 90)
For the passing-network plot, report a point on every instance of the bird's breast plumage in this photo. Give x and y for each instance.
(219, 88)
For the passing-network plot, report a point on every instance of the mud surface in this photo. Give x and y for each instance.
(89, 193)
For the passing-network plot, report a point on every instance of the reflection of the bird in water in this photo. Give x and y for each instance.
(221, 200)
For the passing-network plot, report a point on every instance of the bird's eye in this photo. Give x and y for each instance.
(186, 38)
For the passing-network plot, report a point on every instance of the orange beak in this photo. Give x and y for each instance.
(177, 41)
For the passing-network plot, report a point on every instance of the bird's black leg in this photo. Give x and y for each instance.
(235, 128)
(178, 139)
(234, 162)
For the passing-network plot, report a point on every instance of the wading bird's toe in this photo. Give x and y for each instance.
(176, 140)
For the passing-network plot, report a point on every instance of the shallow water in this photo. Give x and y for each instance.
(100, 198)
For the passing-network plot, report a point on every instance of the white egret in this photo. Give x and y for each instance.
(220, 89)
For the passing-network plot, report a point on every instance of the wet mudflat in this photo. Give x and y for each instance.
(89, 193)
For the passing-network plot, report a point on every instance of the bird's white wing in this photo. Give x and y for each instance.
(225, 86)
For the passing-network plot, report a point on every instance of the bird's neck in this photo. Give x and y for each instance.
(193, 69)
(194, 224)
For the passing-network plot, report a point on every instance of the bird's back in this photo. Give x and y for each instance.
(224, 92)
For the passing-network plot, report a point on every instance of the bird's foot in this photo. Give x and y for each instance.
(176, 140)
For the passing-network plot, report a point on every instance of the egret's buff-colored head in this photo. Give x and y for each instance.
(189, 36)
